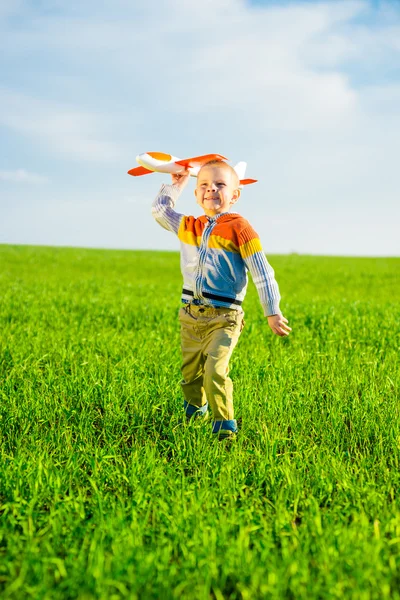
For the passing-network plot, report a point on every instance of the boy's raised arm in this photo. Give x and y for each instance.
(163, 206)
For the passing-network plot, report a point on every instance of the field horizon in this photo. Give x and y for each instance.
(115, 249)
(104, 493)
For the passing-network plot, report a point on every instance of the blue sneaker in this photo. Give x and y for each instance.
(225, 430)
(192, 411)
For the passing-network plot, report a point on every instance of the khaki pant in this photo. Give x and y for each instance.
(208, 337)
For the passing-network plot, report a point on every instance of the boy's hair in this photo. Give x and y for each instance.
(221, 163)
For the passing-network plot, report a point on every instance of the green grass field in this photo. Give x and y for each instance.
(104, 494)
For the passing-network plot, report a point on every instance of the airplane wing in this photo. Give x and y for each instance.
(199, 161)
(138, 171)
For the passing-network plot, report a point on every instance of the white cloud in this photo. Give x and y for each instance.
(66, 130)
(10, 7)
(23, 176)
(281, 64)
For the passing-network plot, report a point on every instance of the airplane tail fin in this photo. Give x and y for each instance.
(240, 169)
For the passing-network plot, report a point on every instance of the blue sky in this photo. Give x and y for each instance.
(308, 93)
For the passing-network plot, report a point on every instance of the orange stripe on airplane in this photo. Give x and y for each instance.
(198, 161)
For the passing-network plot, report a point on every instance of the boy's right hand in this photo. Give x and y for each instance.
(180, 179)
(279, 325)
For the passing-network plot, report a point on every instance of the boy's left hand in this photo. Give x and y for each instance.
(279, 326)
(180, 179)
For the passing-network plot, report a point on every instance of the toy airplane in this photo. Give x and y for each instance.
(158, 162)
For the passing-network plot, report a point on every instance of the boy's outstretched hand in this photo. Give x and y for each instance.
(278, 324)
(180, 179)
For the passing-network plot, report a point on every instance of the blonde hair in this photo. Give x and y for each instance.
(220, 163)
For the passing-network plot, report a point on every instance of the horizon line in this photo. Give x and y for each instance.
(119, 249)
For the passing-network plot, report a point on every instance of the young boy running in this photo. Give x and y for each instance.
(217, 249)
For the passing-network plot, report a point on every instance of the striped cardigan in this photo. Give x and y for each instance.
(216, 253)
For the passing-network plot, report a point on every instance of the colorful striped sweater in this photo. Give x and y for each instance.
(216, 253)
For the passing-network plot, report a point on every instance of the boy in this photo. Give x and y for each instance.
(217, 249)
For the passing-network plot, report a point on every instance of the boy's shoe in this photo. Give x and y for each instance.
(225, 430)
(194, 411)
(228, 436)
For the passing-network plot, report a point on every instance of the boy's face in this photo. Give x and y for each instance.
(216, 190)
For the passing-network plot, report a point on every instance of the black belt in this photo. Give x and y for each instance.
(213, 297)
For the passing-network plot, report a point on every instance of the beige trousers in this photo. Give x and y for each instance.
(208, 337)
